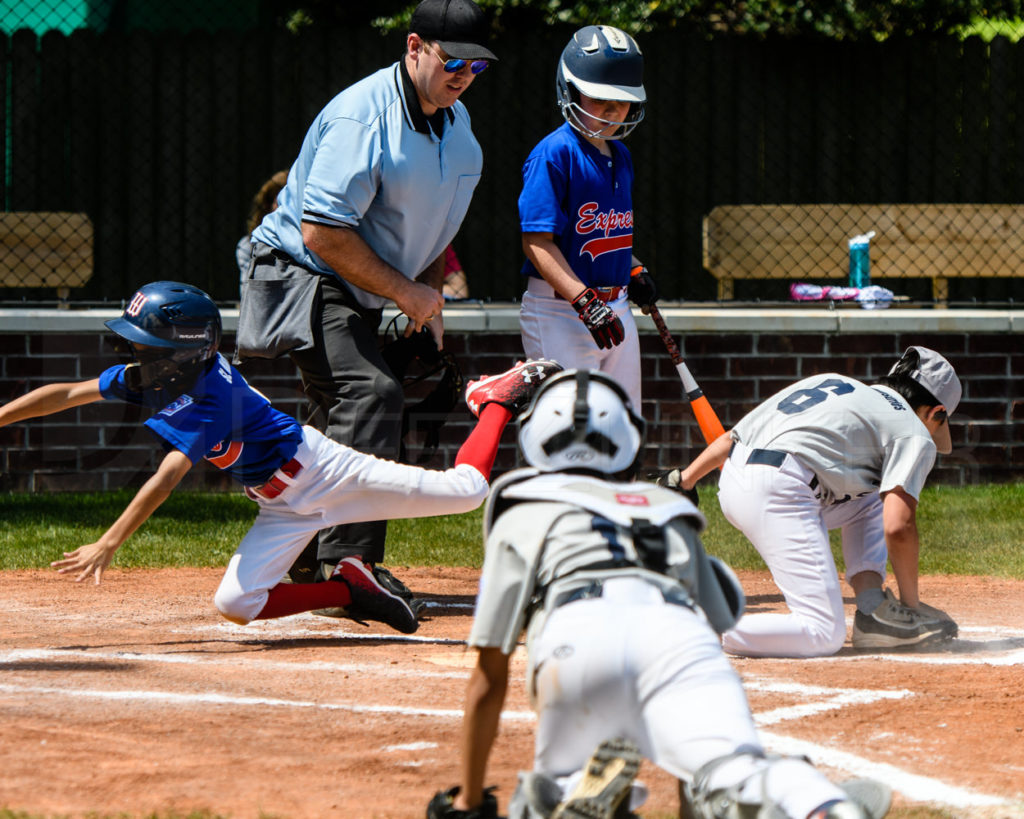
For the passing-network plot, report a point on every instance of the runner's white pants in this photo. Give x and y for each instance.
(337, 484)
(628, 664)
(776, 508)
(551, 328)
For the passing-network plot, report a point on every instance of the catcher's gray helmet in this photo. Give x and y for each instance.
(603, 63)
(581, 419)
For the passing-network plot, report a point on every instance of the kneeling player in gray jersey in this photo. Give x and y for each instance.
(621, 605)
(827, 453)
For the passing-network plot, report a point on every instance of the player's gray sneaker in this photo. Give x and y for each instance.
(370, 600)
(513, 389)
(893, 625)
(607, 780)
(874, 797)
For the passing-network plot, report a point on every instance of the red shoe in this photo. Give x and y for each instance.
(513, 389)
(370, 600)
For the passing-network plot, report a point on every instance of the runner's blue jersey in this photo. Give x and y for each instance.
(221, 418)
(585, 199)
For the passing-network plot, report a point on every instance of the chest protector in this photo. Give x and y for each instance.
(572, 530)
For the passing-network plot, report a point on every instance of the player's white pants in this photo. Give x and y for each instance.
(628, 664)
(776, 508)
(337, 484)
(551, 328)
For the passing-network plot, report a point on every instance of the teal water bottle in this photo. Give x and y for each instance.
(860, 260)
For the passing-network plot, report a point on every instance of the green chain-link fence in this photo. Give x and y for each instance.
(135, 135)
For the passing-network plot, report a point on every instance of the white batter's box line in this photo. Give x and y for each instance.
(834, 699)
(174, 698)
(235, 660)
(914, 787)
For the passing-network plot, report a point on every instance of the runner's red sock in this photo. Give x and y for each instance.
(481, 447)
(292, 598)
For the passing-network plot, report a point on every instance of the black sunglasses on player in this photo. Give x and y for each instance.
(452, 65)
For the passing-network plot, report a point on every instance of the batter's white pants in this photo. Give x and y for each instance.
(337, 484)
(551, 328)
(777, 510)
(628, 664)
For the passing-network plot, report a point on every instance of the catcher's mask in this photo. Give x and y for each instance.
(581, 420)
(604, 63)
(414, 360)
(172, 329)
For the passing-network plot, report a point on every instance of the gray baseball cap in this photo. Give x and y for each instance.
(937, 376)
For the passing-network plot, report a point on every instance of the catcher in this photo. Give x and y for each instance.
(621, 606)
(829, 452)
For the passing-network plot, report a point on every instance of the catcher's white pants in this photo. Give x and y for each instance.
(776, 508)
(337, 484)
(551, 328)
(628, 664)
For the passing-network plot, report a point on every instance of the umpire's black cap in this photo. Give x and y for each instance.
(459, 26)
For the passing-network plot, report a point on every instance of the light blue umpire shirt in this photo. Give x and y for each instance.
(370, 161)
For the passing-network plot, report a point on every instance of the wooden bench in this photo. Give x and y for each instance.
(808, 242)
(45, 249)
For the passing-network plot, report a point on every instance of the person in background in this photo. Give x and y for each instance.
(455, 284)
(263, 203)
(576, 215)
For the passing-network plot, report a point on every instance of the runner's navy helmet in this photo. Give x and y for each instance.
(172, 329)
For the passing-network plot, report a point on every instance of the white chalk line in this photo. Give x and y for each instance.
(914, 787)
(172, 697)
(20, 655)
(835, 699)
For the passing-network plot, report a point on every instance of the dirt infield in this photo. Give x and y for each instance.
(136, 697)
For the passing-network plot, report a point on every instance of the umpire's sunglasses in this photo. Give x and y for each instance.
(452, 65)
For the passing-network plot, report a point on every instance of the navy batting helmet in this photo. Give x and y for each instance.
(172, 329)
(603, 63)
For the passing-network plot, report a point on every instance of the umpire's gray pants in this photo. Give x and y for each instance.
(354, 399)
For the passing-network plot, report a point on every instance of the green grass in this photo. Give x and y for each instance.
(964, 530)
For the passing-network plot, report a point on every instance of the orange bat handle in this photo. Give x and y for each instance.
(710, 427)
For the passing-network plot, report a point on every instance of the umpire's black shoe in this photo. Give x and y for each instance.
(370, 600)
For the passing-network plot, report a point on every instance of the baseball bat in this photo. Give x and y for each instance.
(710, 426)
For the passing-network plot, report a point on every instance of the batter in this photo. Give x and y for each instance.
(830, 452)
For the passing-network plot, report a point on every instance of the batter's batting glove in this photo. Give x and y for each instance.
(604, 325)
(673, 479)
(440, 806)
(642, 290)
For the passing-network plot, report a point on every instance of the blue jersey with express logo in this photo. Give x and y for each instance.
(221, 418)
(585, 199)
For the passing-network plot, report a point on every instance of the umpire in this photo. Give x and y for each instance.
(380, 187)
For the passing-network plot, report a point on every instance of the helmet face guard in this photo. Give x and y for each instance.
(172, 329)
(603, 63)
(582, 420)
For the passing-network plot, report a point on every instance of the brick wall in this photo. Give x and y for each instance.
(103, 446)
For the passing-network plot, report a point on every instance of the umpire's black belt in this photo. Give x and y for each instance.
(771, 457)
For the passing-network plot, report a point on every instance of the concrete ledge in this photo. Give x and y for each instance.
(503, 317)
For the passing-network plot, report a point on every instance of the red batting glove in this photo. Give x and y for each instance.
(600, 319)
